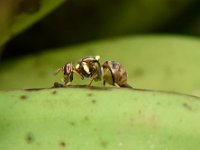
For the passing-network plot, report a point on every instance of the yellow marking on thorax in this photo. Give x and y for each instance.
(97, 57)
(77, 66)
(85, 67)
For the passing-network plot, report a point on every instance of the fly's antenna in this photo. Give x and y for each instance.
(58, 70)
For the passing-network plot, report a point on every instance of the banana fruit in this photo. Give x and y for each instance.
(98, 118)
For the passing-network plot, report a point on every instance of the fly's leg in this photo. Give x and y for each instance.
(116, 85)
(91, 82)
(104, 82)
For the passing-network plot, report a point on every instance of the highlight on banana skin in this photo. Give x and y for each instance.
(110, 72)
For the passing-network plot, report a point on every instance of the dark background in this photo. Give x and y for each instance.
(78, 22)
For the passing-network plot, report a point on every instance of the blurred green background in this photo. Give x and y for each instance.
(160, 36)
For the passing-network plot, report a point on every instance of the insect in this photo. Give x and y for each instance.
(111, 72)
(89, 67)
(115, 74)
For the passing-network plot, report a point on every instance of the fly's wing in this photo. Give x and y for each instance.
(108, 76)
(119, 73)
(122, 76)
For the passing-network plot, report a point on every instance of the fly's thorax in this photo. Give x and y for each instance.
(91, 58)
(89, 67)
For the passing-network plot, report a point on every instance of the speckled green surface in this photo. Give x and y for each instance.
(98, 118)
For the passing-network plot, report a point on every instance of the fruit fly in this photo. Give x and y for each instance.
(112, 72)
(115, 74)
(89, 67)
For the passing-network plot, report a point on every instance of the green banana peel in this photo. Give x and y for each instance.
(98, 118)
